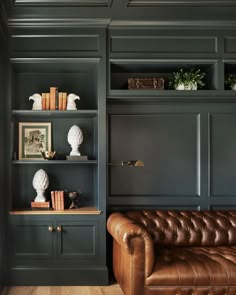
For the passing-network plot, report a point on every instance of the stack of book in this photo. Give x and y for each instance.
(40, 205)
(54, 100)
(58, 200)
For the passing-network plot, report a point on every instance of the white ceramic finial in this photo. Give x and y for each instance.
(40, 184)
(37, 98)
(71, 106)
(75, 138)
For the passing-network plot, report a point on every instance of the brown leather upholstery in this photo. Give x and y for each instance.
(174, 252)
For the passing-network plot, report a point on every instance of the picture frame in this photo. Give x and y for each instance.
(34, 138)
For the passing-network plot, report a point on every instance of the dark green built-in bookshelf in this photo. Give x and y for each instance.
(186, 139)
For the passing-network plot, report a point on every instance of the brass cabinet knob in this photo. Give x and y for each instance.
(50, 228)
(59, 229)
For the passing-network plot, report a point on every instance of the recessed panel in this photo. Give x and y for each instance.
(166, 143)
(78, 240)
(222, 155)
(164, 44)
(32, 240)
(56, 43)
(230, 45)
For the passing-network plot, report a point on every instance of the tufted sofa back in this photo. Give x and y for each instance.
(188, 228)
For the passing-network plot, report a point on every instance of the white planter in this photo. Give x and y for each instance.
(190, 86)
(233, 86)
(180, 87)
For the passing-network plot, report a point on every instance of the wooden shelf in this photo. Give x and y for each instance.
(64, 114)
(172, 93)
(156, 96)
(79, 211)
(53, 162)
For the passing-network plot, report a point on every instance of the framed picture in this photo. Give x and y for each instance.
(34, 138)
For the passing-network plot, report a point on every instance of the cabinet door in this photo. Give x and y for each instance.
(31, 241)
(77, 241)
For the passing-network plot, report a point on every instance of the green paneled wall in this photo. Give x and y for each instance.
(3, 147)
(186, 139)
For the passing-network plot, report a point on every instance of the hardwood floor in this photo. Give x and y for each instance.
(67, 290)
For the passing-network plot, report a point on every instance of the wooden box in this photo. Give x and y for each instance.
(146, 83)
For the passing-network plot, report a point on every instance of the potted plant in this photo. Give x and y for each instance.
(231, 81)
(187, 80)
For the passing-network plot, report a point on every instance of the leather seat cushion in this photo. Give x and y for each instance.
(194, 266)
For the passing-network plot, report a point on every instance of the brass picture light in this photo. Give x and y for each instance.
(129, 163)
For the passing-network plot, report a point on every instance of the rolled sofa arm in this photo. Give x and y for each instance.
(126, 232)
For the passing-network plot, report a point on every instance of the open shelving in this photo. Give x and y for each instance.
(73, 75)
(121, 70)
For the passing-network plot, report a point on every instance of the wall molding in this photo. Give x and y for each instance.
(175, 24)
(3, 20)
(58, 22)
(151, 3)
(65, 3)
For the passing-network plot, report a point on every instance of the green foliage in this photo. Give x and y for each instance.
(187, 77)
(230, 79)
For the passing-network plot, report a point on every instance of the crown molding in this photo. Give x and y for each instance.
(59, 22)
(153, 3)
(177, 23)
(64, 3)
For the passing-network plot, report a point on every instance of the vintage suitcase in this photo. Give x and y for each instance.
(146, 83)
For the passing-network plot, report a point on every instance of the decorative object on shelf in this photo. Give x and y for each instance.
(231, 81)
(58, 200)
(146, 83)
(75, 138)
(40, 184)
(48, 155)
(37, 98)
(73, 196)
(40, 205)
(129, 163)
(187, 79)
(34, 138)
(77, 158)
(71, 98)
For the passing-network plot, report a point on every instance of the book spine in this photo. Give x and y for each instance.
(53, 199)
(62, 201)
(60, 101)
(64, 101)
(53, 98)
(47, 97)
(57, 200)
(43, 101)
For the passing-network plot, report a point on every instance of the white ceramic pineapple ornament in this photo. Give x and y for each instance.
(40, 184)
(75, 138)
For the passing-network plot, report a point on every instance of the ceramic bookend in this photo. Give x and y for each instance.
(71, 105)
(37, 98)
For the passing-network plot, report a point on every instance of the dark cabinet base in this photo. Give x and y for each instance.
(19, 276)
(70, 253)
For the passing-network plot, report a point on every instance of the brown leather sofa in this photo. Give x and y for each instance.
(174, 252)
